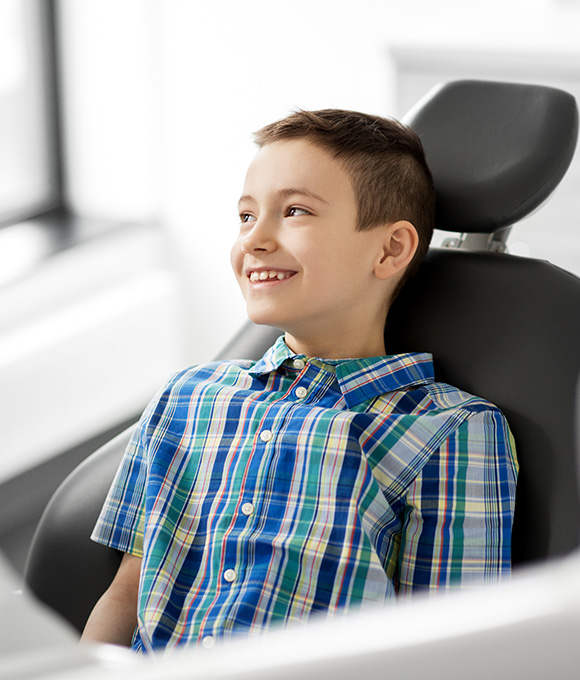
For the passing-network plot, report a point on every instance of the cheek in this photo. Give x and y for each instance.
(327, 261)
(236, 256)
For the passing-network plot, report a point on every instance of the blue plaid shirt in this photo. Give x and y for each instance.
(266, 492)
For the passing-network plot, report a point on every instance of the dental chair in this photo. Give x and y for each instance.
(505, 328)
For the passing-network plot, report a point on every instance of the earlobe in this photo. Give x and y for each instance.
(398, 248)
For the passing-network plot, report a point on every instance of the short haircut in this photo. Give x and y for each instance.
(386, 163)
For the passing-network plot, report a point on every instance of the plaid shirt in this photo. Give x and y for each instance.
(266, 492)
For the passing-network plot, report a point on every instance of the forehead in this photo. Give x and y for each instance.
(297, 163)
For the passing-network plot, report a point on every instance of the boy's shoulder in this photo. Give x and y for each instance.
(216, 366)
(449, 396)
(213, 370)
(433, 397)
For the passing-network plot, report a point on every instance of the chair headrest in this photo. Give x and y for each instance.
(496, 150)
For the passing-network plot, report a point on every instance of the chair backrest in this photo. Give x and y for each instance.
(64, 568)
(502, 327)
(505, 328)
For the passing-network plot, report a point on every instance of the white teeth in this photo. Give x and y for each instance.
(268, 275)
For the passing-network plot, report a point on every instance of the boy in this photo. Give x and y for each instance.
(326, 475)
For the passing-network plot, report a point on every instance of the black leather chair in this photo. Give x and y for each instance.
(503, 327)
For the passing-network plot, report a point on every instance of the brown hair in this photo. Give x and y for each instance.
(386, 163)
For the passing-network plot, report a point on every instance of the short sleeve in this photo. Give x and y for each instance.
(120, 524)
(122, 519)
(458, 513)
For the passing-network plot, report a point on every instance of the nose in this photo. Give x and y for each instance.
(260, 238)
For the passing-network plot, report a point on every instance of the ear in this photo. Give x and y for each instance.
(398, 248)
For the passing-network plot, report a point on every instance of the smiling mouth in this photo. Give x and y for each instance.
(270, 275)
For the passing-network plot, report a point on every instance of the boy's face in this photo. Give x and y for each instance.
(300, 262)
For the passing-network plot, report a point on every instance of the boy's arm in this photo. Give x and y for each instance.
(114, 617)
(458, 513)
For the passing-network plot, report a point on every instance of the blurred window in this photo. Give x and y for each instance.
(29, 162)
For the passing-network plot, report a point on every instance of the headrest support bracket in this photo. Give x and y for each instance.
(496, 242)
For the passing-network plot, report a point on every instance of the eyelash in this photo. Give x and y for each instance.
(247, 217)
(295, 207)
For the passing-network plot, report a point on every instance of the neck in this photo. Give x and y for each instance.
(337, 348)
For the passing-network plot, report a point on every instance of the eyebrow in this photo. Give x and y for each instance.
(290, 191)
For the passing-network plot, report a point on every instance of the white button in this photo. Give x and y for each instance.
(247, 508)
(298, 363)
(208, 642)
(230, 575)
(301, 392)
(266, 435)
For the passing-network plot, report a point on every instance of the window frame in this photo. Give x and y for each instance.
(46, 66)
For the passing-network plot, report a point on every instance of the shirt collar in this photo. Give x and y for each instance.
(359, 379)
(273, 359)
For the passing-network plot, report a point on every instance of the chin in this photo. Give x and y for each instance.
(262, 318)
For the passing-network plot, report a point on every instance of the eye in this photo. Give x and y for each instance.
(246, 217)
(294, 211)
